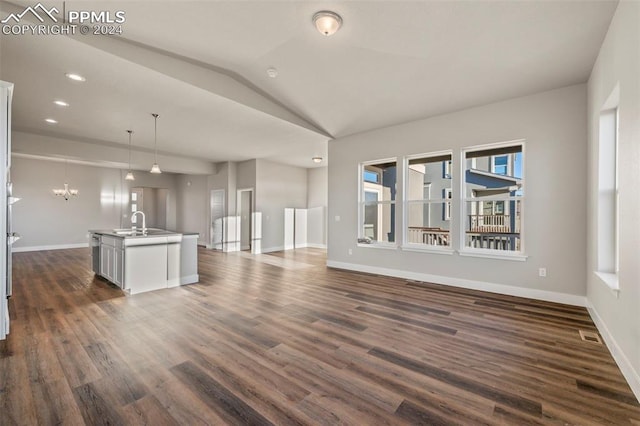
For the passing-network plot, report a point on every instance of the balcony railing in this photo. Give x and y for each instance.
(492, 223)
(485, 231)
(429, 236)
(496, 241)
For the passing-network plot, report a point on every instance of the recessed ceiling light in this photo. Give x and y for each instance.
(327, 22)
(272, 72)
(61, 103)
(75, 77)
(317, 159)
(50, 121)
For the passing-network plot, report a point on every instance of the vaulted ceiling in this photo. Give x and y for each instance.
(202, 67)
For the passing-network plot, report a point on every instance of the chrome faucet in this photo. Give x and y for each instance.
(144, 221)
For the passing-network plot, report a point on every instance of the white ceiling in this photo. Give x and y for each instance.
(392, 62)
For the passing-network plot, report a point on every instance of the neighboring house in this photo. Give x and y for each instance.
(489, 223)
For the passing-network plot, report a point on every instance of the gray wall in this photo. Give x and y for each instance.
(554, 126)
(278, 186)
(618, 315)
(193, 206)
(317, 182)
(44, 219)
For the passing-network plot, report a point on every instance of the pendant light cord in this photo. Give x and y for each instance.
(130, 131)
(155, 137)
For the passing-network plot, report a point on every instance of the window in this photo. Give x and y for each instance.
(446, 169)
(377, 202)
(492, 198)
(608, 193)
(500, 164)
(428, 200)
(447, 205)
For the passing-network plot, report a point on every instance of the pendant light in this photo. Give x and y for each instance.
(130, 175)
(155, 169)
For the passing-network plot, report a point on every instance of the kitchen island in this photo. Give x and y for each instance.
(139, 262)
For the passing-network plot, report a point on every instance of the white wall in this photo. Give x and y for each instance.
(554, 126)
(44, 219)
(193, 206)
(317, 200)
(318, 191)
(618, 315)
(278, 186)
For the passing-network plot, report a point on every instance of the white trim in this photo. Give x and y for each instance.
(420, 248)
(493, 254)
(629, 373)
(463, 190)
(530, 293)
(271, 249)
(53, 247)
(611, 281)
(380, 246)
(318, 246)
(189, 279)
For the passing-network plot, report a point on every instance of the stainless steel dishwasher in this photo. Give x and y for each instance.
(95, 253)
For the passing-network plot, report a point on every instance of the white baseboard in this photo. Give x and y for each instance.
(189, 279)
(629, 373)
(54, 247)
(549, 296)
(272, 249)
(319, 246)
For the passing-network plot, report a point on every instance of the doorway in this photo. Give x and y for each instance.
(245, 214)
(153, 203)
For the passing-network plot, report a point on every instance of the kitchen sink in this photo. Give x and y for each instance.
(127, 232)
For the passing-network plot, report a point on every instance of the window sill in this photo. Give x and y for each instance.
(379, 246)
(518, 257)
(610, 280)
(428, 249)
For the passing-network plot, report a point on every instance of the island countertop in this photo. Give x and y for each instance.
(138, 262)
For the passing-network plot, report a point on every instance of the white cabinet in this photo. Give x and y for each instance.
(106, 254)
(112, 260)
(118, 267)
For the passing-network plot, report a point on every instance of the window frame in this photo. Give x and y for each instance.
(609, 274)
(406, 245)
(464, 250)
(362, 202)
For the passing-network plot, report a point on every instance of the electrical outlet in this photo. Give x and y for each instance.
(337, 218)
(350, 252)
(542, 272)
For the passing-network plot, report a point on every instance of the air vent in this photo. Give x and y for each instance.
(590, 336)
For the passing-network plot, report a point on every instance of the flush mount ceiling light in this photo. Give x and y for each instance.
(51, 121)
(75, 77)
(130, 175)
(327, 22)
(272, 72)
(155, 169)
(61, 103)
(317, 159)
(66, 193)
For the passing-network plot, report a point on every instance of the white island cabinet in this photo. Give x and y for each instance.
(138, 263)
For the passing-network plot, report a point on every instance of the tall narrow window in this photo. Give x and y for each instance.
(428, 213)
(377, 201)
(493, 194)
(608, 193)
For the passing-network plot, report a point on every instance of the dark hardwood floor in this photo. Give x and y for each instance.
(281, 339)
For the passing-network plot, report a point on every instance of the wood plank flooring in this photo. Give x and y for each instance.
(281, 339)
